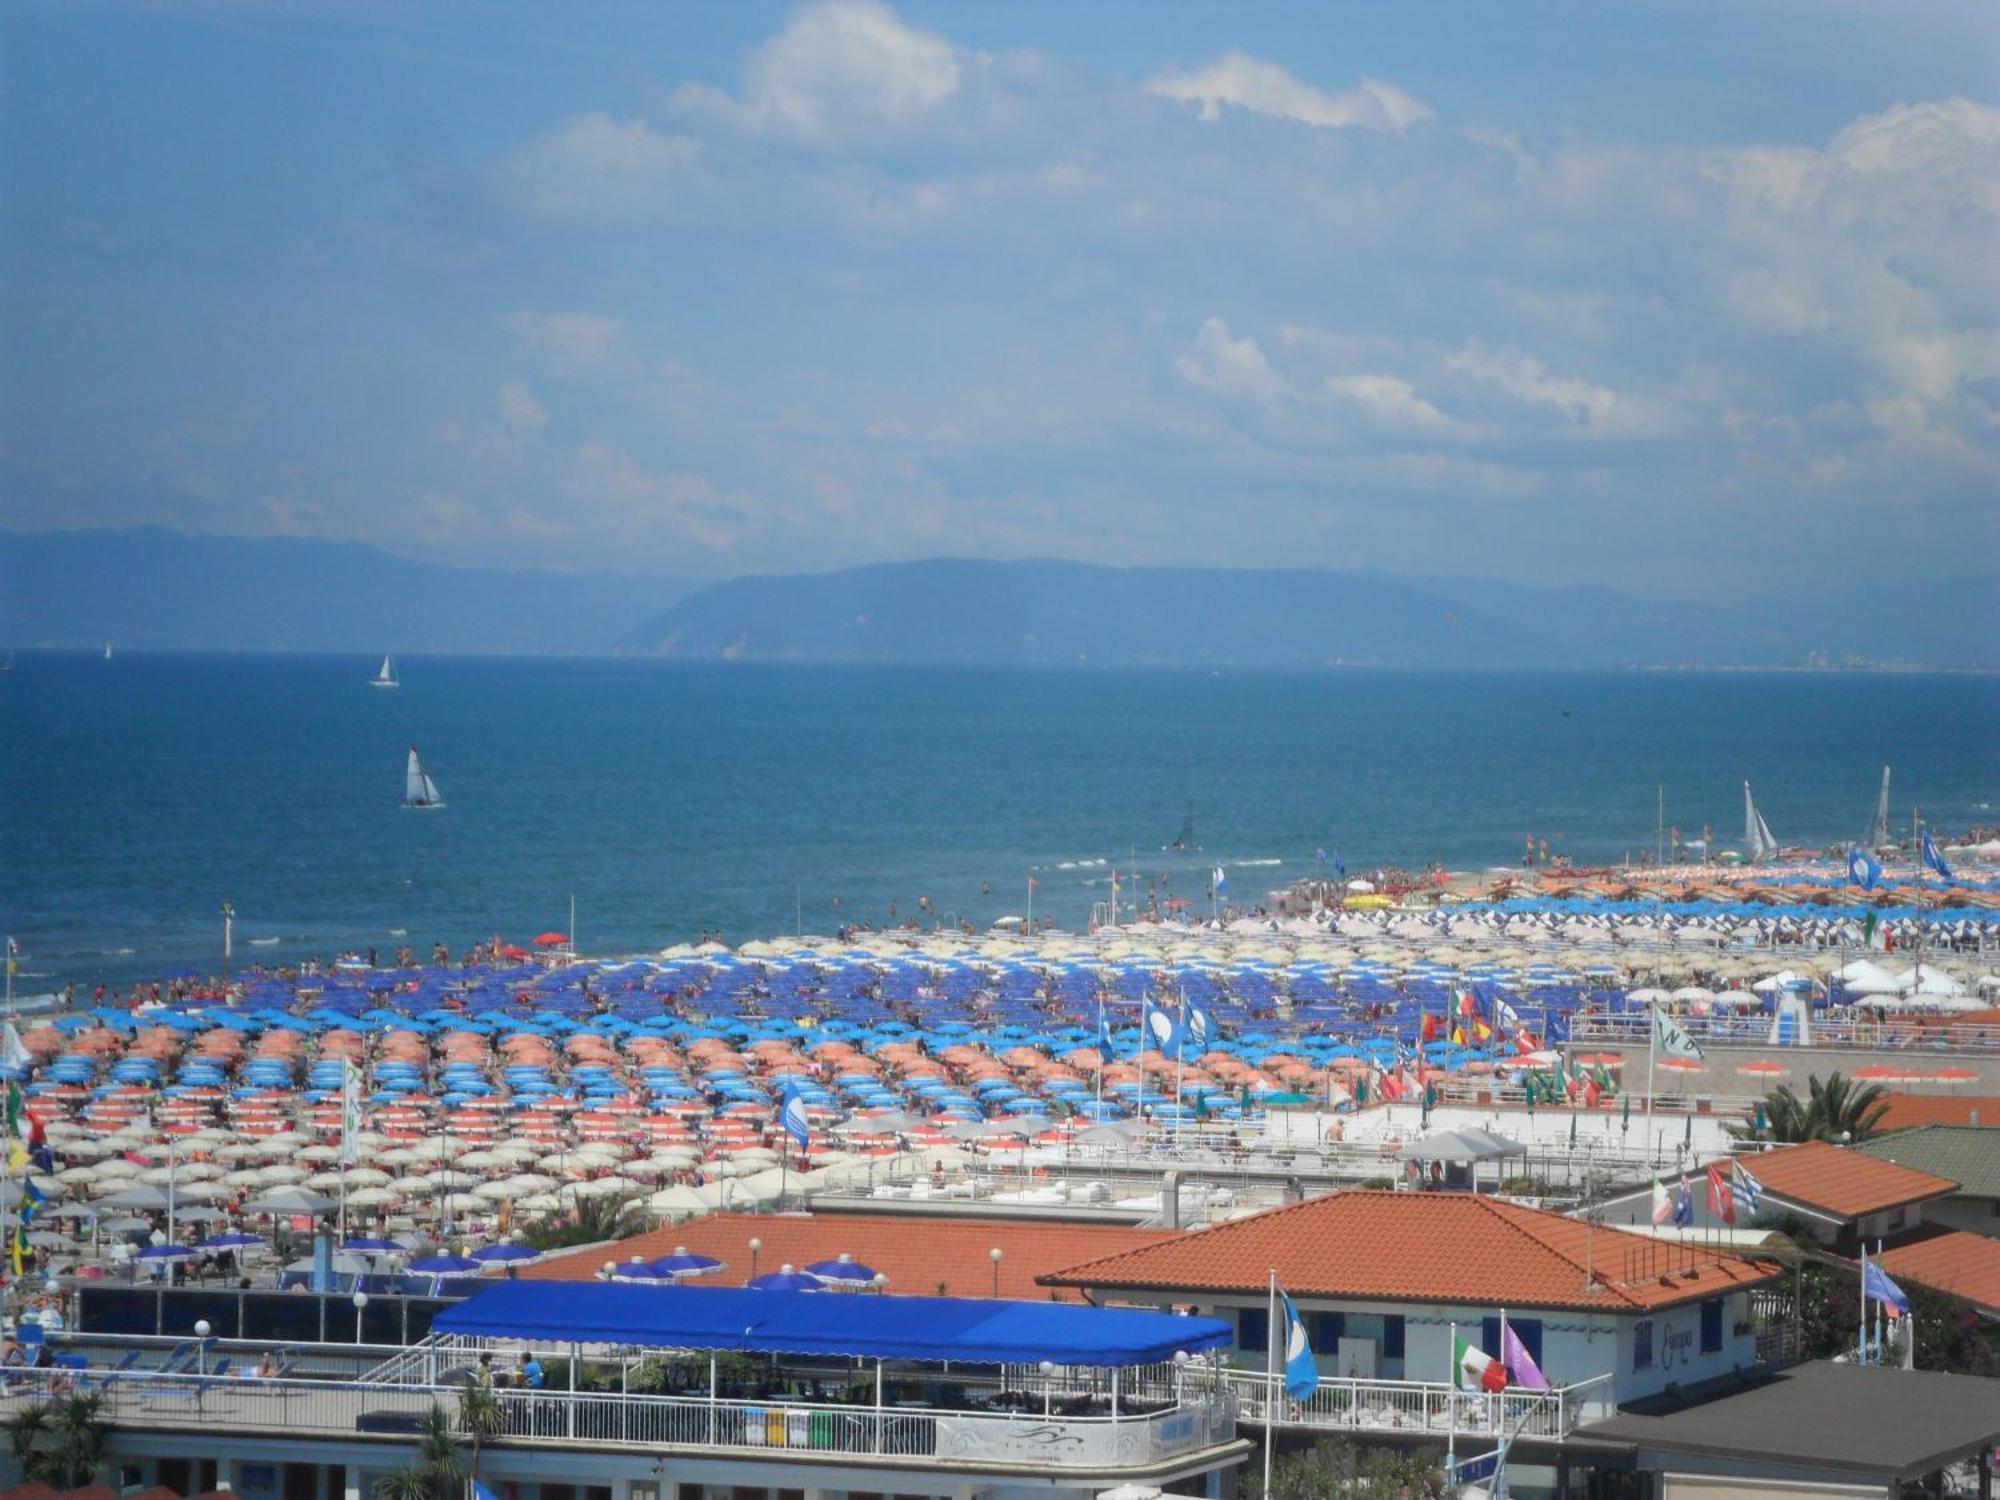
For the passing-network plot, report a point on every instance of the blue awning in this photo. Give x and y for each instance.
(963, 1330)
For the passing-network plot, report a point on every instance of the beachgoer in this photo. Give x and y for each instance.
(531, 1374)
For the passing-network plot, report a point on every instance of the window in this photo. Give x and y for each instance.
(1327, 1329)
(1392, 1336)
(1711, 1325)
(1253, 1329)
(1642, 1344)
(1527, 1330)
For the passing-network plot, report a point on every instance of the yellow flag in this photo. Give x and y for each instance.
(20, 1247)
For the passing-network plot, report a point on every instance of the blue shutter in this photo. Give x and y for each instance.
(1529, 1332)
(1253, 1329)
(1392, 1336)
(1326, 1331)
(1489, 1336)
(1711, 1325)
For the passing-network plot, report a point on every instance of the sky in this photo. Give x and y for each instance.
(1694, 299)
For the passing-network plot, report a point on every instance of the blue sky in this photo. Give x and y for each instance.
(1689, 299)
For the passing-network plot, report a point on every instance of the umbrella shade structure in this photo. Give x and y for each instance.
(843, 1268)
(642, 1270)
(506, 1255)
(552, 940)
(290, 1200)
(167, 1252)
(683, 1263)
(138, 1197)
(368, 1244)
(787, 1279)
(1763, 1069)
(230, 1241)
(444, 1265)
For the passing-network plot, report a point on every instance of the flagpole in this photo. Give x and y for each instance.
(1451, 1403)
(1180, 1053)
(1652, 1052)
(1270, 1383)
(1863, 1356)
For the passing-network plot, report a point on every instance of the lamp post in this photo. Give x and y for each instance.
(755, 1246)
(201, 1332)
(994, 1253)
(880, 1283)
(360, 1306)
(1048, 1388)
(610, 1269)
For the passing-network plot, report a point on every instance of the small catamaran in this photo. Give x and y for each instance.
(1185, 838)
(386, 678)
(418, 789)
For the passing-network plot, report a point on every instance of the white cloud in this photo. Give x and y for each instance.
(1583, 405)
(1264, 88)
(840, 71)
(521, 414)
(1392, 404)
(596, 169)
(570, 341)
(1231, 367)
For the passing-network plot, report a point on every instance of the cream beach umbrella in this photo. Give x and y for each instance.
(370, 1197)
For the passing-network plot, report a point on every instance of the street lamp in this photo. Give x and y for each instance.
(880, 1283)
(1048, 1388)
(995, 1254)
(755, 1245)
(201, 1332)
(360, 1306)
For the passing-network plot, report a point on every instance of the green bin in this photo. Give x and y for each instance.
(820, 1429)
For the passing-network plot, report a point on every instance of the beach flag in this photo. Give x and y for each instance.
(18, 1248)
(350, 1112)
(1935, 860)
(1747, 1190)
(1670, 1038)
(1104, 1048)
(1476, 1369)
(1875, 1283)
(481, 1492)
(1721, 1198)
(1160, 1028)
(793, 1117)
(1683, 1204)
(1875, 934)
(1862, 869)
(13, 1051)
(1520, 1364)
(1220, 881)
(1198, 1026)
(1663, 1202)
(32, 1199)
(1301, 1371)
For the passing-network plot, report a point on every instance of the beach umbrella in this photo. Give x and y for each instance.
(233, 1240)
(444, 1265)
(291, 1200)
(787, 1279)
(683, 1263)
(506, 1255)
(638, 1270)
(843, 1269)
(364, 1244)
(166, 1253)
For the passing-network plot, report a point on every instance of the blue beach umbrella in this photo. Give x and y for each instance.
(683, 1263)
(787, 1279)
(843, 1269)
(371, 1245)
(506, 1255)
(234, 1240)
(444, 1265)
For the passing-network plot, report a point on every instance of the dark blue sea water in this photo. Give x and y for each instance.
(669, 799)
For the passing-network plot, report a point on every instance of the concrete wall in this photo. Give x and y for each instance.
(1979, 1215)
(1686, 1486)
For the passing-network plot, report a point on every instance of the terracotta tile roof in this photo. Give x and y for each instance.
(1959, 1263)
(920, 1256)
(1844, 1183)
(1906, 1111)
(1454, 1248)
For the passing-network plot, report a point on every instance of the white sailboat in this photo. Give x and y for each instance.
(386, 678)
(107, 651)
(1756, 832)
(419, 790)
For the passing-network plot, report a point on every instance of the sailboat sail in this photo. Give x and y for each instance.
(418, 788)
(1878, 834)
(1185, 838)
(1756, 832)
(386, 678)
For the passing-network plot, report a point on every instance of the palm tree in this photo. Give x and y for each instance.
(1836, 1110)
(438, 1473)
(593, 1221)
(481, 1417)
(60, 1442)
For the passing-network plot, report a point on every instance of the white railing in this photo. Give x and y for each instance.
(1032, 1434)
(1380, 1406)
(1936, 1034)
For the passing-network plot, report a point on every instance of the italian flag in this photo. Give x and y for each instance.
(1478, 1370)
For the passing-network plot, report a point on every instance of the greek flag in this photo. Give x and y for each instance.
(1862, 869)
(1161, 1029)
(1746, 1190)
(1301, 1372)
(1935, 860)
(793, 1118)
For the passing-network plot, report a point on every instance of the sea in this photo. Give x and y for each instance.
(671, 801)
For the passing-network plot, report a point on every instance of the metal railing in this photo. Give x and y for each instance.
(1898, 1033)
(1032, 1434)
(1412, 1406)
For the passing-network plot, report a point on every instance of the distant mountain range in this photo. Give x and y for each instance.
(152, 589)
(971, 612)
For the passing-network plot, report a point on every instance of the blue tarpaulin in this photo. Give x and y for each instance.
(960, 1329)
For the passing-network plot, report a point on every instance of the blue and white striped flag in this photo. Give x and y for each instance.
(1746, 1190)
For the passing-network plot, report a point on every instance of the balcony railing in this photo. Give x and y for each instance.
(1032, 1437)
(1894, 1032)
(1418, 1407)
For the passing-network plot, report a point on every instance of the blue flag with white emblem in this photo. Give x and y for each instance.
(1161, 1029)
(1301, 1371)
(1862, 869)
(1220, 881)
(793, 1118)
(1104, 1049)
(1935, 860)
(1198, 1026)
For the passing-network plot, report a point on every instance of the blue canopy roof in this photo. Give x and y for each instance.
(960, 1329)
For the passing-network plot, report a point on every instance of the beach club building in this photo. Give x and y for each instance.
(1386, 1283)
